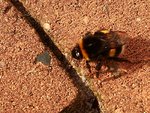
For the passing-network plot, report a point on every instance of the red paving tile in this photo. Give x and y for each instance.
(25, 86)
(71, 19)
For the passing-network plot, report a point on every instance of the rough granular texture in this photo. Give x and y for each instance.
(68, 20)
(25, 86)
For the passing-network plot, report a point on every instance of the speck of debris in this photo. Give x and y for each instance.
(138, 19)
(86, 20)
(83, 78)
(46, 26)
(44, 58)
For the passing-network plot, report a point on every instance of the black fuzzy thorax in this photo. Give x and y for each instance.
(99, 45)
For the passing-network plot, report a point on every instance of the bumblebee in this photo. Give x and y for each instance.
(103, 44)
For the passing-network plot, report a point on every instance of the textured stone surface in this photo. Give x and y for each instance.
(68, 20)
(24, 85)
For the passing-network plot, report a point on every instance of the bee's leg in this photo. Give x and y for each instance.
(116, 71)
(88, 66)
(112, 67)
(98, 67)
(117, 59)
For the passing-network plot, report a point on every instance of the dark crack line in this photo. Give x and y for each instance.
(47, 41)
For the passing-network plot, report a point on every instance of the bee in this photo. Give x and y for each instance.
(103, 44)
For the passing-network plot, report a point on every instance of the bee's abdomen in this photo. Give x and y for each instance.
(114, 52)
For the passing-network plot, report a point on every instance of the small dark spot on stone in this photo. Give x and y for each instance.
(31, 106)
(31, 94)
(11, 101)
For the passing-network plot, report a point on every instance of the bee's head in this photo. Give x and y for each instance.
(76, 53)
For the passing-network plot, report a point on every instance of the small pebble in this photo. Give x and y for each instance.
(138, 19)
(86, 20)
(83, 78)
(46, 26)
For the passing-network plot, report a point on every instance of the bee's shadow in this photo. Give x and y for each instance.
(137, 52)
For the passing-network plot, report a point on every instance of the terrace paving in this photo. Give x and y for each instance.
(26, 86)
